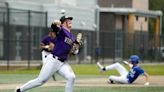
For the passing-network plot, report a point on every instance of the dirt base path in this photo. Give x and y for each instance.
(95, 82)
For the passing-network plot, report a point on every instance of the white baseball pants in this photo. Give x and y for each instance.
(44, 56)
(52, 65)
(122, 71)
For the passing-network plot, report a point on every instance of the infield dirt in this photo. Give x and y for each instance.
(97, 82)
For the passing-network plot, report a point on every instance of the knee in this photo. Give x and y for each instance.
(41, 81)
(71, 77)
(117, 63)
(111, 77)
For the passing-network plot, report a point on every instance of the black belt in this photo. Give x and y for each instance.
(46, 50)
(56, 57)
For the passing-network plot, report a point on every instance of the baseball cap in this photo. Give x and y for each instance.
(63, 18)
(134, 58)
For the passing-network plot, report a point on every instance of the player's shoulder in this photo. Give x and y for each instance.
(45, 38)
(137, 67)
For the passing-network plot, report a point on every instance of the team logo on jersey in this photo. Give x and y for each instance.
(132, 73)
(68, 41)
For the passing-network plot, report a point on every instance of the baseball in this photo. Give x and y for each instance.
(63, 11)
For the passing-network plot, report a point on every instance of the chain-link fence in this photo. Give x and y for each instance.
(119, 45)
(22, 30)
(20, 34)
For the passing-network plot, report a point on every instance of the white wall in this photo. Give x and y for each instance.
(87, 3)
(76, 3)
(31, 1)
(84, 17)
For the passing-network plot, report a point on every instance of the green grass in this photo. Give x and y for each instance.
(81, 71)
(92, 69)
(22, 78)
(154, 69)
(96, 89)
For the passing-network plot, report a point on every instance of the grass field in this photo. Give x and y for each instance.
(96, 89)
(82, 72)
(91, 69)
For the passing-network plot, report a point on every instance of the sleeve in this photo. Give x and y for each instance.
(141, 71)
(44, 40)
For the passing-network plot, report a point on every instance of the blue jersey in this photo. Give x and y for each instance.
(134, 73)
(46, 41)
(64, 44)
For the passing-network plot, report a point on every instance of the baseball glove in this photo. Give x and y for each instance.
(79, 39)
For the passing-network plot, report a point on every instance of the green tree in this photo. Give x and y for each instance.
(156, 5)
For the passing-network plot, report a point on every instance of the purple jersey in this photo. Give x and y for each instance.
(63, 44)
(47, 39)
(134, 73)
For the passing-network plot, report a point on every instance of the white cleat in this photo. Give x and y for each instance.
(125, 62)
(99, 65)
(17, 89)
(110, 81)
(102, 68)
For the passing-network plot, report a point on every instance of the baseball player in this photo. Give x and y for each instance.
(47, 45)
(126, 77)
(56, 61)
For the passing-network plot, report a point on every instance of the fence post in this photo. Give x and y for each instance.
(46, 21)
(29, 38)
(8, 35)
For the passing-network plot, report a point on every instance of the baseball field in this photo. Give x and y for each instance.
(88, 79)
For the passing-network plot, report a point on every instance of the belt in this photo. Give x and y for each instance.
(56, 57)
(46, 50)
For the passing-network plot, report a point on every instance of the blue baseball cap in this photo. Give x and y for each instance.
(134, 59)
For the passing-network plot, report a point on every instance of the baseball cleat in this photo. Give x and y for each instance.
(110, 81)
(101, 67)
(125, 62)
(17, 90)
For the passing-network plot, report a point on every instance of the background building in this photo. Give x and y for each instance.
(126, 22)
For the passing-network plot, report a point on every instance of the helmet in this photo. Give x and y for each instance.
(63, 18)
(134, 59)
